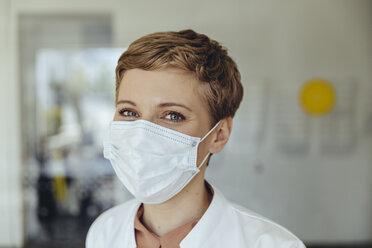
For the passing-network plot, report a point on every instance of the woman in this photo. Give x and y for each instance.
(176, 95)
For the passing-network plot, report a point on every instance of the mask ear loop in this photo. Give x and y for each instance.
(205, 136)
(205, 158)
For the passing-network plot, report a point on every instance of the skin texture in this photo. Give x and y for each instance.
(154, 96)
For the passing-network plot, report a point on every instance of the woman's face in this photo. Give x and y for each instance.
(168, 97)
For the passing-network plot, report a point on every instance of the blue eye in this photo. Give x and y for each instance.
(174, 116)
(129, 113)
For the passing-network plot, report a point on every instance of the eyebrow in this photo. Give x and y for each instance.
(170, 104)
(166, 104)
(126, 101)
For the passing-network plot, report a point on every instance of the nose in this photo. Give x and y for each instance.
(148, 118)
(149, 114)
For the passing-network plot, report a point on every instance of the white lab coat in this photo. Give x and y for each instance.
(223, 225)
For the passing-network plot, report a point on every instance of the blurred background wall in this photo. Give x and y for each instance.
(312, 174)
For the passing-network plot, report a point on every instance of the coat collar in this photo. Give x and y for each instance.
(127, 233)
(196, 237)
(209, 221)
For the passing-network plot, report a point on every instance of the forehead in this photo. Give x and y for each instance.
(168, 84)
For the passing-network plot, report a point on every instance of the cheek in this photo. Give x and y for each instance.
(202, 151)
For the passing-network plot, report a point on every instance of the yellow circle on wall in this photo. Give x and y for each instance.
(318, 96)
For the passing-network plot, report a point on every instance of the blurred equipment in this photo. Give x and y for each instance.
(67, 76)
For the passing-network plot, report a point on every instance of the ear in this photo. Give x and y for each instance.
(221, 135)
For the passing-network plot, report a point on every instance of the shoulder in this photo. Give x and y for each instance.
(267, 233)
(110, 222)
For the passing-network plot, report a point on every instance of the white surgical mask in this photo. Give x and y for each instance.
(153, 162)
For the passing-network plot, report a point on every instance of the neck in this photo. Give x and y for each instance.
(189, 204)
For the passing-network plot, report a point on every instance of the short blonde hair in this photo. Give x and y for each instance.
(193, 52)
